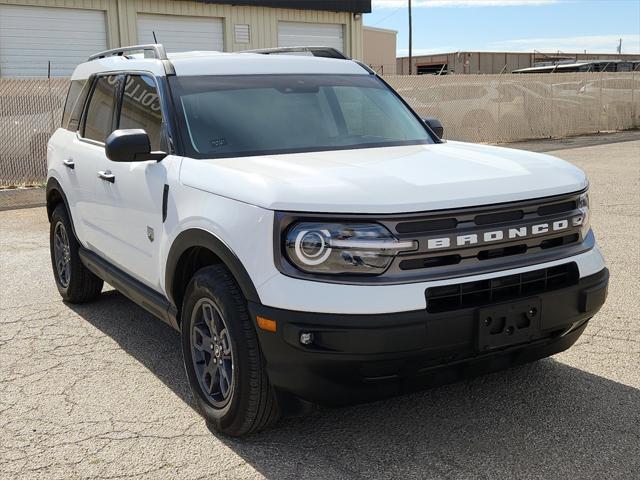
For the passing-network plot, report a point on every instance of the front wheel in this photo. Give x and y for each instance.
(222, 356)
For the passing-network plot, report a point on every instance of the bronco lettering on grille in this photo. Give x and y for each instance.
(511, 233)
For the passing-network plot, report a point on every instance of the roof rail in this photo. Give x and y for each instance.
(327, 52)
(157, 49)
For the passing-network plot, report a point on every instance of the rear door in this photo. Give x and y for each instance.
(87, 154)
(131, 199)
(66, 159)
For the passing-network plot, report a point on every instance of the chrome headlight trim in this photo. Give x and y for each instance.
(334, 248)
(585, 219)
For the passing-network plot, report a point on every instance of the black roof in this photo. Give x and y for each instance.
(359, 6)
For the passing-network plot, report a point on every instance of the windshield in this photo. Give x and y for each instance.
(224, 116)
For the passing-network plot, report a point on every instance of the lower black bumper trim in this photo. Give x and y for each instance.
(357, 358)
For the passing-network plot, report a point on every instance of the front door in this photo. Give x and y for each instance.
(131, 196)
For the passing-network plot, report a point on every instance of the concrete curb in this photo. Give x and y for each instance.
(13, 199)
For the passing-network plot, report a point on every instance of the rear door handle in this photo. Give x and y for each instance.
(69, 163)
(107, 176)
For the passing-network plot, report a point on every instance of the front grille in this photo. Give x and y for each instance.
(557, 208)
(496, 215)
(441, 261)
(493, 218)
(500, 289)
(559, 241)
(423, 226)
(478, 221)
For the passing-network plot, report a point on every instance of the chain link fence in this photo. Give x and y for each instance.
(475, 108)
(513, 107)
(30, 110)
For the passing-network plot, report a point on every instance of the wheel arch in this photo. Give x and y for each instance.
(54, 196)
(194, 248)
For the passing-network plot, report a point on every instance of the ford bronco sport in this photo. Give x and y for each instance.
(312, 238)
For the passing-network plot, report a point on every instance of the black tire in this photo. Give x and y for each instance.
(77, 284)
(250, 404)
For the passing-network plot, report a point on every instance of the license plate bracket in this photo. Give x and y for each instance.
(509, 323)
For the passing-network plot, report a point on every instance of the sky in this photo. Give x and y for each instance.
(570, 26)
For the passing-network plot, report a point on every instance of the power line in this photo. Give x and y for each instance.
(387, 17)
(410, 41)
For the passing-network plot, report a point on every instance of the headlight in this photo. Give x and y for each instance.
(584, 219)
(334, 248)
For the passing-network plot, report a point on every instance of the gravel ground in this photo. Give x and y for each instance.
(98, 391)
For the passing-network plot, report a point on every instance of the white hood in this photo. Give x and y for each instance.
(385, 180)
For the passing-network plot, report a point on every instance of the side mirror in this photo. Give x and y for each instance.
(435, 125)
(130, 145)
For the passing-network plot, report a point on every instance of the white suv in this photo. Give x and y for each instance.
(313, 239)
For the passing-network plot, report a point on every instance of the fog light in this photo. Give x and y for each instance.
(306, 338)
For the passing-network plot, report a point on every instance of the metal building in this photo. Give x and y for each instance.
(379, 49)
(492, 62)
(36, 32)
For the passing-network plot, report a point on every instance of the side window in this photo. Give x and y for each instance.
(73, 107)
(141, 108)
(99, 116)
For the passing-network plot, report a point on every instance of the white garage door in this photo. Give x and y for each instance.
(295, 34)
(31, 36)
(180, 33)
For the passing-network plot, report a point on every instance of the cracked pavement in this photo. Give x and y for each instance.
(99, 391)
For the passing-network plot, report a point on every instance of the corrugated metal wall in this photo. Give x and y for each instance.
(492, 62)
(122, 27)
(380, 50)
(108, 6)
(31, 37)
(469, 62)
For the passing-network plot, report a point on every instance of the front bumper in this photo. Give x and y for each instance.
(355, 358)
(287, 293)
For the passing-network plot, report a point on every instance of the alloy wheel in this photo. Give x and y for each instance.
(62, 254)
(211, 352)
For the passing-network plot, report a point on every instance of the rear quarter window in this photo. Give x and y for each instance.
(73, 106)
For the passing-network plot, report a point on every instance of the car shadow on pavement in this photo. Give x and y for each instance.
(543, 420)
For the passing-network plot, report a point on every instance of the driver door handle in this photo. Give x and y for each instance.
(69, 163)
(107, 176)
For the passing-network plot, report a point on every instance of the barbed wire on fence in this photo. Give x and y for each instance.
(475, 108)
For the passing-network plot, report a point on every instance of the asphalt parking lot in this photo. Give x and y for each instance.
(98, 390)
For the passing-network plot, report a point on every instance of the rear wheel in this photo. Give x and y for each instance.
(75, 282)
(222, 356)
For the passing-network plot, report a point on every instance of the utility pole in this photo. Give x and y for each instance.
(410, 42)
